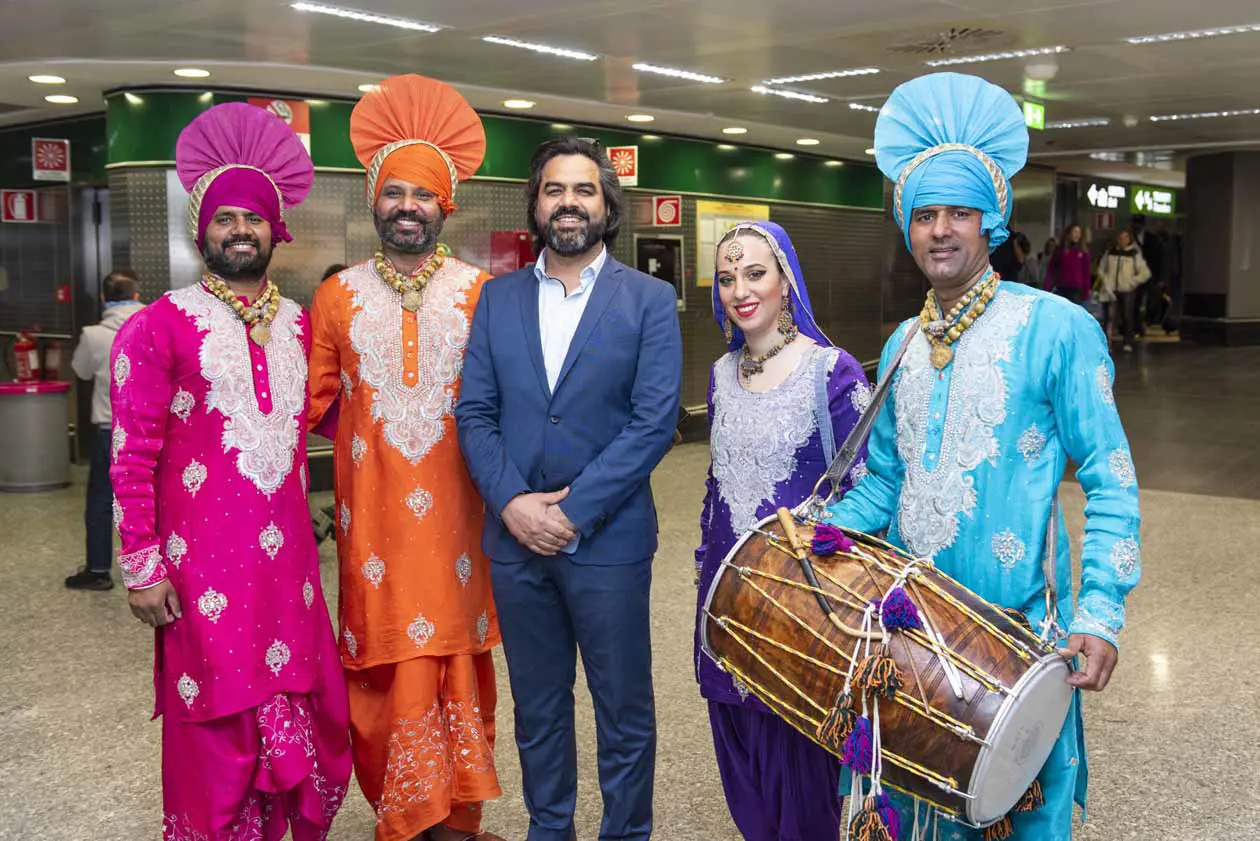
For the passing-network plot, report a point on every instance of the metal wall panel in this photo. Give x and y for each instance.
(140, 234)
(35, 259)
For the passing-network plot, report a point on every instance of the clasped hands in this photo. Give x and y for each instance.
(537, 523)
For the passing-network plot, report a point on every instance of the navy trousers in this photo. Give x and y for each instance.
(549, 608)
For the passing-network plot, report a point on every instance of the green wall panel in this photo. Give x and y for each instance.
(87, 151)
(144, 125)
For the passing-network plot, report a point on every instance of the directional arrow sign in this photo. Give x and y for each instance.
(1093, 194)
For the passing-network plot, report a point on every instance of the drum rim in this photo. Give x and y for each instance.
(1051, 660)
(717, 579)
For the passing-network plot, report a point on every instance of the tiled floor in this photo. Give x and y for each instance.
(1173, 742)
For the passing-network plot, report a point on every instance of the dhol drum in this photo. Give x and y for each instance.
(836, 630)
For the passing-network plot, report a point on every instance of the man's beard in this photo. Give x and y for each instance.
(578, 240)
(422, 240)
(230, 266)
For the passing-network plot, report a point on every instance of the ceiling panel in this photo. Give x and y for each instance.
(264, 43)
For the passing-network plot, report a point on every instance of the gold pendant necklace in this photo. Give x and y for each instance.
(411, 287)
(257, 316)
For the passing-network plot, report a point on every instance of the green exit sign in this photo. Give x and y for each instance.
(1034, 115)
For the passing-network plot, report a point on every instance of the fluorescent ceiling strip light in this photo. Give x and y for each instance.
(861, 106)
(366, 17)
(831, 74)
(1206, 115)
(539, 48)
(1194, 34)
(975, 59)
(678, 74)
(1089, 123)
(786, 94)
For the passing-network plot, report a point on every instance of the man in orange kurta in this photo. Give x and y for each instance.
(417, 615)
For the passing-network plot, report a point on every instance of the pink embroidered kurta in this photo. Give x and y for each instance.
(209, 475)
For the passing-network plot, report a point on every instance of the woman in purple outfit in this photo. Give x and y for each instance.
(780, 377)
(1069, 273)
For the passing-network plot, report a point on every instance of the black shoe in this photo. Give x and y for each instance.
(85, 579)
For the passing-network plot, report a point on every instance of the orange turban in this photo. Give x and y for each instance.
(420, 130)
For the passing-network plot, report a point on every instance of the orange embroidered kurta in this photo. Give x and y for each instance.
(413, 579)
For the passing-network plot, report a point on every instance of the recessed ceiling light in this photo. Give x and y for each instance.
(833, 163)
(975, 59)
(1194, 34)
(518, 104)
(734, 130)
(640, 118)
(191, 73)
(651, 137)
(561, 126)
(861, 106)
(784, 156)
(1206, 115)
(366, 17)
(870, 151)
(830, 74)
(47, 80)
(807, 141)
(61, 99)
(678, 74)
(539, 48)
(726, 147)
(1088, 123)
(134, 99)
(368, 87)
(787, 94)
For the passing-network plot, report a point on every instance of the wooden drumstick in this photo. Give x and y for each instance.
(802, 557)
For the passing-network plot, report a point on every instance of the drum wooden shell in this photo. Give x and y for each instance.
(763, 625)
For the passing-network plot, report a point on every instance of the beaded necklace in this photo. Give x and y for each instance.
(411, 286)
(750, 365)
(944, 331)
(258, 315)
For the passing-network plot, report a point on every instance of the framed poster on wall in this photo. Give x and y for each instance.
(661, 256)
(713, 220)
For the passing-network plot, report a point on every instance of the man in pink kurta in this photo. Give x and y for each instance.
(209, 471)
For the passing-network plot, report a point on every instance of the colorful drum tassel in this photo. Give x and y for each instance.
(999, 831)
(828, 540)
(1033, 799)
(859, 747)
(898, 613)
(889, 813)
(879, 674)
(838, 724)
(870, 823)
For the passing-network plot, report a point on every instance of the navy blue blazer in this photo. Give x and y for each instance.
(610, 421)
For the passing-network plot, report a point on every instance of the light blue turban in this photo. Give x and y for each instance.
(955, 140)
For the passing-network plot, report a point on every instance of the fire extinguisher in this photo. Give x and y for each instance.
(26, 352)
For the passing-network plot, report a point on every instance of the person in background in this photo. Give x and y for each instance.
(1146, 302)
(324, 519)
(1123, 271)
(1009, 258)
(1042, 261)
(120, 294)
(1069, 272)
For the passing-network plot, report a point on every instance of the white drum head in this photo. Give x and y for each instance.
(1020, 740)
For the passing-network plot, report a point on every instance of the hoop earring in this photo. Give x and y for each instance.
(727, 331)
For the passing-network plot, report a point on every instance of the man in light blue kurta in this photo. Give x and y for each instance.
(965, 458)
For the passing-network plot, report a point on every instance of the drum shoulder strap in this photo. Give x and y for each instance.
(822, 406)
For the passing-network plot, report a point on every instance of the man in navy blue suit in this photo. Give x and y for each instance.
(569, 400)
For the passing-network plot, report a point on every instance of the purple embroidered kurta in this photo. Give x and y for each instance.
(767, 452)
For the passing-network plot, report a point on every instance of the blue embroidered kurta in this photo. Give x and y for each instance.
(964, 463)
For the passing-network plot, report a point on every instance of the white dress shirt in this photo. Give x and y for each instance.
(558, 317)
(559, 313)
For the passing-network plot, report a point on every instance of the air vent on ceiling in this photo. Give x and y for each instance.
(960, 38)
